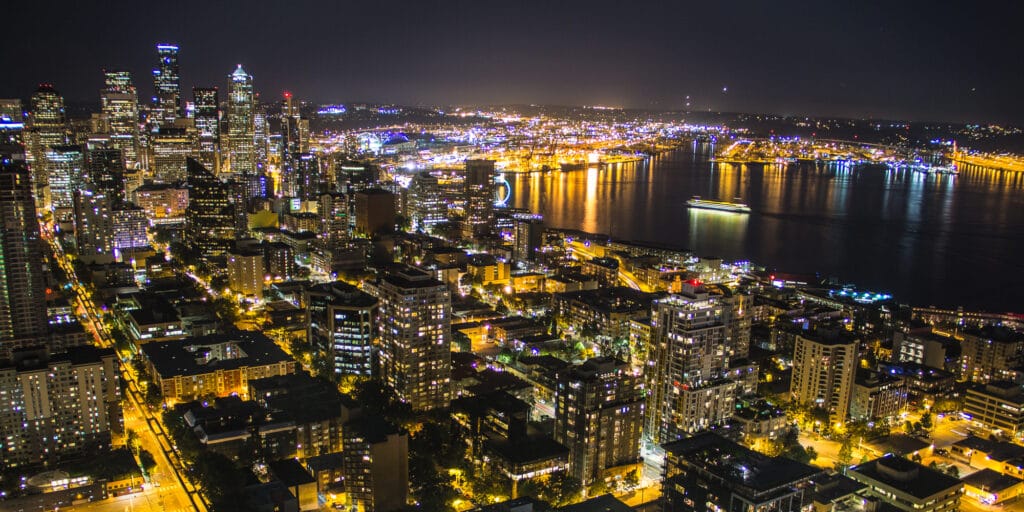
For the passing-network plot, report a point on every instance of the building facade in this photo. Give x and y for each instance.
(415, 334)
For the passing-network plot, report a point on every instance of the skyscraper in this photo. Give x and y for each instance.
(824, 367)
(415, 335)
(479, 192)
(167, 102)
(120, 103)
(210, 216)
(207, 119)
(427, 207)
(599, 415)
(66, 166)
(241, 124)
(48, 127)
(342, 326)
(22, 284)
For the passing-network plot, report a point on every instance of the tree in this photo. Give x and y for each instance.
(147, 461)
(845, 452)
(226, 309)
(926, 421)
(131, 439)
(631, 479)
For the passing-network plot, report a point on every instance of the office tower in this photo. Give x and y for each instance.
(333, 210)
(260, 136)
(375, 211)
(128, 229)
(342, 323)
(10, 110)
(167, 102)
(48, 127)
(478, 188)
(415, 339)
(688, 373)
(57, 406)
(427, 207)
(66, 166)
(824, 366)
(241, 124)
(105, 171)
(210, 216)
(22, 283)
(245, 273)
(599, 414)
(120, 104)
(308, 177)
(207, 121)
(295, 129)
(171, 147)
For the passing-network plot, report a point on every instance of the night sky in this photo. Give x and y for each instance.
(894, 59)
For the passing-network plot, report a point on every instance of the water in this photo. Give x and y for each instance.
(928, 240)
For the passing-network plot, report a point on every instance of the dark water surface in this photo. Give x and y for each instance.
(927, 239)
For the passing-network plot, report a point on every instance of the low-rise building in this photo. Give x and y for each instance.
(709, 472)
(877, 396)
(997, 405)
(908, 486)
(992, 487)
(218, 364)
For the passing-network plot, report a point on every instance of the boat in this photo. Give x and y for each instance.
(723, 206)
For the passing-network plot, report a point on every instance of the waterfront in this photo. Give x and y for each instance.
(927, 239)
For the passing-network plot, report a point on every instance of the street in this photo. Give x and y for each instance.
(168, 489)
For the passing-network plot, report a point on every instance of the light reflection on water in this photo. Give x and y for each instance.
(946, 240)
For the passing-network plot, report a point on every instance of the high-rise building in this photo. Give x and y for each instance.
(375, 211)
(105, 171)
(824, 367)
(57, 406)
(990, 354)
(479, 192)
(167, 82)
(245, 273)
(599, 415)
(22, 283)
(171, 146)
(11, 110)
(128, 229)
(308, 177)
(120, 103)
(688, 375)
(93, 226)
(342, 326)
(260, 136)
(427, 207)
(66, 166)
(528, 237)
(48, 127)
(241, 124)
(210, 216)
(415, 336)
(334, 212)
(207, 120)
(375, 459)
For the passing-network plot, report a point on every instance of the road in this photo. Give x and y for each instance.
(578, 248)
(169, 489)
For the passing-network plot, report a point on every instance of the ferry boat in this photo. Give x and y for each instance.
(723, 206)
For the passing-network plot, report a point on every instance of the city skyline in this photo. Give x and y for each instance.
(919, 61)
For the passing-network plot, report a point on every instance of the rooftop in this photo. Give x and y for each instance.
(603, 503)
(990, 480)
(206, 354)
(734, 462)
(908, 476)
